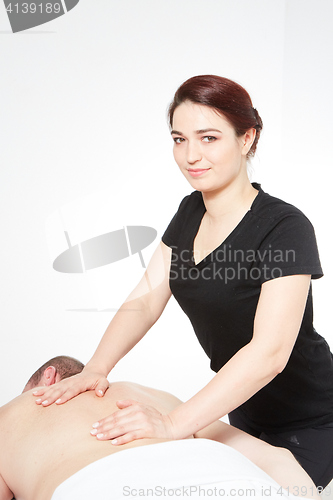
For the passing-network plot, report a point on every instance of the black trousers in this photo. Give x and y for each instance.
(312, 447)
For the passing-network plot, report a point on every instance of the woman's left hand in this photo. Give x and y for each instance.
(133, 421)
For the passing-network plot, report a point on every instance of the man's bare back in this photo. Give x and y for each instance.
(41, 447)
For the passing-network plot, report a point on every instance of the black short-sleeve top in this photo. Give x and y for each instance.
(220, 296)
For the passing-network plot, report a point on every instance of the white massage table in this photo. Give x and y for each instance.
(191, 468)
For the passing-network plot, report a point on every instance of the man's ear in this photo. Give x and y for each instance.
(50, 376)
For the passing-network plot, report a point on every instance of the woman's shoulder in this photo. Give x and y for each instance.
(190, 210)
(190, 205)
(191, 200)
(267, 206)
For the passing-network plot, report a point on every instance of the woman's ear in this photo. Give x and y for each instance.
(248, 139)
(50, 376)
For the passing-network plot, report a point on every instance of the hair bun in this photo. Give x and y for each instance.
(258, 119)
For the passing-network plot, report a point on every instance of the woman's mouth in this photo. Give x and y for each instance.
(197, 172)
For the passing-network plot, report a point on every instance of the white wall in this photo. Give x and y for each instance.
(85, 148)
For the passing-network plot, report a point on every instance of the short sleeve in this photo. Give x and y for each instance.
(289, 248)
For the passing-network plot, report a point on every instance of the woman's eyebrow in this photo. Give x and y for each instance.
(205, 130)
(201, 131)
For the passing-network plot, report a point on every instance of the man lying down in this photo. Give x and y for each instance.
(49, 453)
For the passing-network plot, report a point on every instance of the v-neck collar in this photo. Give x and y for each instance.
(211, 255)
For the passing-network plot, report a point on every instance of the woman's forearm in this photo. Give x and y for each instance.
(250, 369)
(137, 315)
(128, 326)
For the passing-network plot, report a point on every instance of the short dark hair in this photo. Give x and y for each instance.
(66, 366)
(226, 97)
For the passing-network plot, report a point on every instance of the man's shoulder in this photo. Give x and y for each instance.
(5, 492)
(13, 404)
(141, 393)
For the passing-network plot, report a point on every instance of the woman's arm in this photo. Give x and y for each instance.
(131, 322)
(138, 314)
(278, 463)
(277, 322)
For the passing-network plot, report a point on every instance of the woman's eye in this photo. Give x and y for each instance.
(178, 140)
(209, 138)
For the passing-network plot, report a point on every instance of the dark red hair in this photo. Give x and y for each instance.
(227, 98)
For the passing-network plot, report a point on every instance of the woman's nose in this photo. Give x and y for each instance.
(193, 152)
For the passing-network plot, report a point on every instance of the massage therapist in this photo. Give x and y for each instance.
(239, 262)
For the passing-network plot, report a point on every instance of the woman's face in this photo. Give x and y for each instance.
(206, 148)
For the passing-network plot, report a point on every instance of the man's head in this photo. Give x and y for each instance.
(53, 371)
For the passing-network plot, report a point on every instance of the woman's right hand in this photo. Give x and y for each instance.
(70, 387)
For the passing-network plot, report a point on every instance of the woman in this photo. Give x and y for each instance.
(239, 262)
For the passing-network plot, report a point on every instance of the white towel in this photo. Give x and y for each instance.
(191, 468)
